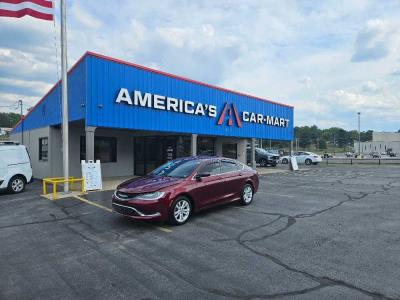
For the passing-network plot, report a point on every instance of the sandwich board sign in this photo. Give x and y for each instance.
(91, 173)
(293, 163)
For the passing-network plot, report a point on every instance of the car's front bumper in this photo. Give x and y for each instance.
(141, 210)
(133, 212)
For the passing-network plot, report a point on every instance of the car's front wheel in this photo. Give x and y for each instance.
(285, 161)
(16, 184)
(247, 194)
(263, 162)
(180, 211)
(308, 161)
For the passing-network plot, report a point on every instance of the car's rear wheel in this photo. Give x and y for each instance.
(181, 210)
(308, 161)
(263, 162)
(285, 161)
(16, 184)
(247, 194)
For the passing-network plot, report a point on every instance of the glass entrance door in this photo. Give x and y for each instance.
(229, 150)
(152, 151)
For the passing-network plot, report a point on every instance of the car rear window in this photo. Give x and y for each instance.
(230, 166)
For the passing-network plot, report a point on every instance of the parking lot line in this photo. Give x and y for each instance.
(93, 203)
(279, 195)
(163, 229)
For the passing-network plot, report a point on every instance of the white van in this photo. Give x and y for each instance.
(15, 167)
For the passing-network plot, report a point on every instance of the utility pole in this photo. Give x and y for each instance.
(22, 121)
(359, 135)
(334, 144)
(64, 95)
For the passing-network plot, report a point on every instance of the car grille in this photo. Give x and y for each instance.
(123, 210)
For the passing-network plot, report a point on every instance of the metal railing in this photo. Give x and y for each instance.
(351, 161)
(56, 180)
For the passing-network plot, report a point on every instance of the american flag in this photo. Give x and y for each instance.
(41, 9)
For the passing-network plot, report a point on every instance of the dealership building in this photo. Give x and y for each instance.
(133, 119)
(382, 142)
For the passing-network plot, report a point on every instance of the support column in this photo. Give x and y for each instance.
(253, 153)
(89, 131)
(193, 145)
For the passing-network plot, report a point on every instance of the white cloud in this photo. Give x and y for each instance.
(84, 18)
(293, 52)
(376, 40)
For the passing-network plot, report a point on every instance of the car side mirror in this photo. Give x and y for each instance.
(201, 175)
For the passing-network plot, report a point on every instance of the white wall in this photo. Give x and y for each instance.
(41, 169)
(368, 147)
(385, 136)
(125, 150)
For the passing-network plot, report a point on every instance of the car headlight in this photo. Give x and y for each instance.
(150, 196)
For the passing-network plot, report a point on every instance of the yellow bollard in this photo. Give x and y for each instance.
(54, 190)
(44, 187)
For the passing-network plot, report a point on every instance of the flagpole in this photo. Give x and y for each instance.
(64, 94)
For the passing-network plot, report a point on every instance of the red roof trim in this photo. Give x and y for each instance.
(53, 87)
(180, 77)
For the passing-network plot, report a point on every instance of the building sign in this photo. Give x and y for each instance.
(229, 112)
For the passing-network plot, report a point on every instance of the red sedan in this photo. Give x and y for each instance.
(175, 190)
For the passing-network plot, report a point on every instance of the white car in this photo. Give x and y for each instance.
(15, 167)
(303, 157)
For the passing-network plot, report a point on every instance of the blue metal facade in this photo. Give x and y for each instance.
(48, 111)
(96, 82)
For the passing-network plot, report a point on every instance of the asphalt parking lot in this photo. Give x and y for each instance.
(328, 232)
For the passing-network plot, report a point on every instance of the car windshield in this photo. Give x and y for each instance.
(178, 168)
(262, 151)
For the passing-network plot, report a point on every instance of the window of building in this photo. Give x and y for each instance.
(229, 150)
(43, 149)
(205, 146)
(105, 149)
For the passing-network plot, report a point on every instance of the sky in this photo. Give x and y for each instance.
(329, 59)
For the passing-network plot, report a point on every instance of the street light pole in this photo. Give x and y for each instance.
(359, 135)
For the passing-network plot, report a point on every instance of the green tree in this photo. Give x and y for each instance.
(322, 144)
(8, 119)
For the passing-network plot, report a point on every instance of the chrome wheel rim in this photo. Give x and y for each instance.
(247, 194)
(182, 211)
(17, 185)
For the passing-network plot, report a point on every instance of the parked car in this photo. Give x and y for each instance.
(181, 187)
(349, 154)
(375, 155)
(327, 155)
(15, 167)
(303, 157)
(263, 157)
